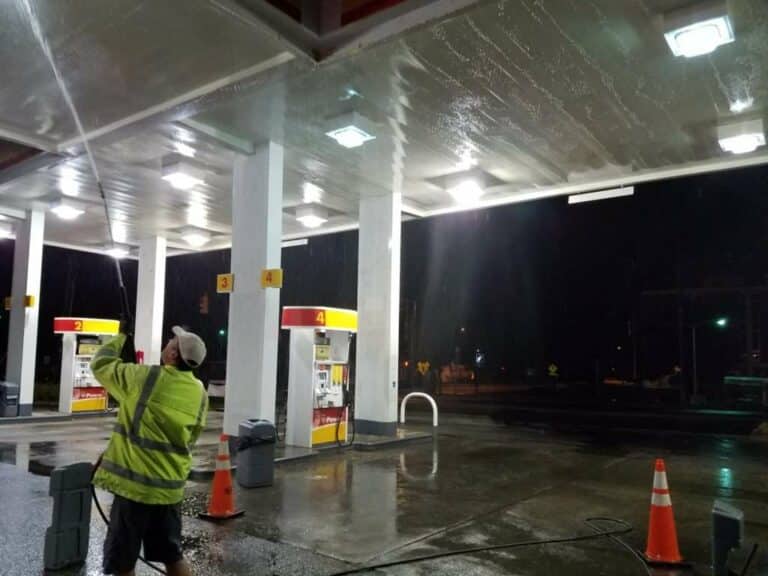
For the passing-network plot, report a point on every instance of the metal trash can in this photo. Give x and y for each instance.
(9, 399)
(256, 453)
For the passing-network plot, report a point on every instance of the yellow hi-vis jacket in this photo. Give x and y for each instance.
(162, 412)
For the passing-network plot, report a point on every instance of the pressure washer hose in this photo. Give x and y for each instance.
(593, 523)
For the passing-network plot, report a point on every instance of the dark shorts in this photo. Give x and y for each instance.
(132, 524)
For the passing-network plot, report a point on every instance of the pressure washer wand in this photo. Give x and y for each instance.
(129, 350)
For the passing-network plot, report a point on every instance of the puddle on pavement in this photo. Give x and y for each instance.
(38, 458)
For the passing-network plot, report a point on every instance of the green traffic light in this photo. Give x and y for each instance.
(222, 332)
(721, 322)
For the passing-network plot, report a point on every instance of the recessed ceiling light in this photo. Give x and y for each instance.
(117, 252)
(351, 130)
(180, 173)
(68, 183)
(197, 214)
(350, 136)
(742, 144)
(740, 105)
(467, 192)
(184, 149)
(698, 30)
(311, 216)
(196, 238)
(119, 231)
(741, 137)
(67, 211)
(312, 193)
(181, 180)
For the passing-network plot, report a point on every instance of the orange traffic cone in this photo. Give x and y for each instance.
(222, 503)
(662, 536)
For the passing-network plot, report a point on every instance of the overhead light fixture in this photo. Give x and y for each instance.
(467, 192)
(312, 193)
(738, 106)
(67, 211)
(119, 231)
(6, 230)
(116, 252)
(68, 183)
(196, 238)
(197, 214)
(181, 180)
(601, 195)
(698, 30)
(351, 130)
(180, 173)
(311, 216)
(184, 149)
(741, 137)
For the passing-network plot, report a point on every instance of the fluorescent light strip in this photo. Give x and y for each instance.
(601, 195)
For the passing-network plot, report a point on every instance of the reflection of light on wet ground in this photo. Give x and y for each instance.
(726, 478)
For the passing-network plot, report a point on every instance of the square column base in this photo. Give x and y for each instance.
(375, 428)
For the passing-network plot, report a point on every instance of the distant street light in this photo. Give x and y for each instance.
(720, 322)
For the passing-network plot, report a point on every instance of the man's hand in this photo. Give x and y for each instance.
(126, 325)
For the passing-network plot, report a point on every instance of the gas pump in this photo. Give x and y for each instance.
(78, 390)
(319, 375)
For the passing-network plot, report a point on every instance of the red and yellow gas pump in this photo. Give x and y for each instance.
(318, 374)
(81, 337)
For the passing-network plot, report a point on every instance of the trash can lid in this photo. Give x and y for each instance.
(256, 428)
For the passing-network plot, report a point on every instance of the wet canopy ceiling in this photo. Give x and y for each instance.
(536, 97)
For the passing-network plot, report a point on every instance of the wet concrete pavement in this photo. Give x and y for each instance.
(477, 484)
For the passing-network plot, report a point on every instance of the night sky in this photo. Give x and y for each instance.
(530, 283)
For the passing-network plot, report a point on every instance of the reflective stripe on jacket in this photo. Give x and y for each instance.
(162, 412)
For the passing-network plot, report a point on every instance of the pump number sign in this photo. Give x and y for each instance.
(272, 278)
(85, 326)
(225, 283)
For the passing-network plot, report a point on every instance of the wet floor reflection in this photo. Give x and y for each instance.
(417, 474)
(38, 458)
(338, 498)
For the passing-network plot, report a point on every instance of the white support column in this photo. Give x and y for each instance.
(257, 223)
(150, 298)
(22, 332)
(67, 374)
(378, 307)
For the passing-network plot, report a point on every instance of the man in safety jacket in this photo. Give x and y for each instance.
(162, 412)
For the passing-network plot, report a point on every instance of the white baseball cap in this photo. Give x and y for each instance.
(191, 347)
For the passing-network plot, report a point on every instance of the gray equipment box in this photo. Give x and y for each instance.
(256, 453)
(727, 534)
(9, 399)
(66, 540)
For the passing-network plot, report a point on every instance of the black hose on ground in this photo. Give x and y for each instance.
(625, 528)
(749, 560)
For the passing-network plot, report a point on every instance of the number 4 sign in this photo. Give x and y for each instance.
(272, 278)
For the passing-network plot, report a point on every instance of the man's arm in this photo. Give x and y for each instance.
(119, 378)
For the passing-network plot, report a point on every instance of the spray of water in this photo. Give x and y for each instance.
(34, 23)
